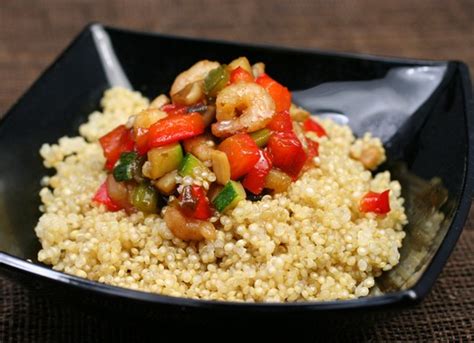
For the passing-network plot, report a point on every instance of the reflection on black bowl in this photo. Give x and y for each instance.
(422, 110)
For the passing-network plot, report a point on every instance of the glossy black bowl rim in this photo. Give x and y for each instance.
(409, 296)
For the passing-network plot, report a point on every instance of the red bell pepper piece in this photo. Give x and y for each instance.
(312, 151)
(311, 125)
(286, 152)
(141, 140)
(102, 197)
(313, 148)
(172, 109)
(280, 94)
(281, 122)
(173, 129)
(242, 153)
(254, 181)
(114, 143)
(375, 202)
(239, 74)
(194, 203)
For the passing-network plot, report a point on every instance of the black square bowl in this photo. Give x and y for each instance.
(422, 110)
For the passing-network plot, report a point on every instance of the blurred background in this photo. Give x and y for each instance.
(34, 32)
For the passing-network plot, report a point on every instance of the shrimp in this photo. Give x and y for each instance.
(196, 73)
(188, 229)
(255, 106)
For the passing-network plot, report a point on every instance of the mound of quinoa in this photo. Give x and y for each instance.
(310, 243)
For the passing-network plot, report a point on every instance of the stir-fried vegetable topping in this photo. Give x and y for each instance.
(281, 122)
(114, 143)
(174, 129)
(240, 75)
(215, 81)
(129, 167)
(378, 203)
(286, 153)
(230, 133)
(102, 197)
(242, 153)
(144, 198)
(261, 137)
(280, 94)
(229, 196)
(194, 203)
(254, 181)
(311, 125)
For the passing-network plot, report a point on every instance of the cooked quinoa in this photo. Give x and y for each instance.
(310, 243)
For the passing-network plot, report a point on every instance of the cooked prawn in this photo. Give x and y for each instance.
(188, 229)
(255, 106)
(196, 73)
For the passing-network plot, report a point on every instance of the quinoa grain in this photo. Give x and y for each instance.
(309, 243)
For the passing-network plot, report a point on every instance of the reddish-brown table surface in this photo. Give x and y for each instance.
(33, 33)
